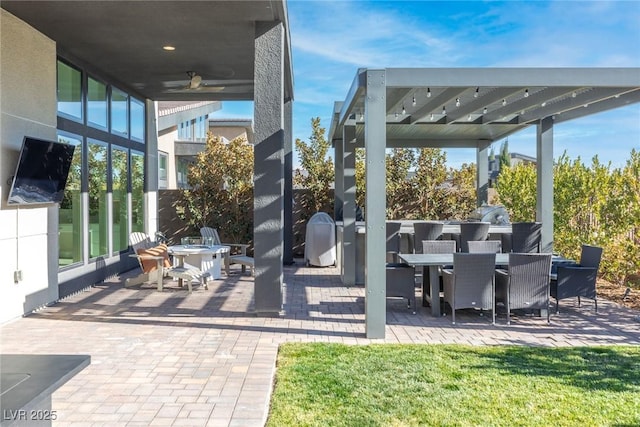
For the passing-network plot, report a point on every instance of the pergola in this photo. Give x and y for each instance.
(454, 108)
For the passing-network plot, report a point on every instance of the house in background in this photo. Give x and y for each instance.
(182, 133)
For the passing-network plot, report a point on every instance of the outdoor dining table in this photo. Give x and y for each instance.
(436, 261)
(207, 259)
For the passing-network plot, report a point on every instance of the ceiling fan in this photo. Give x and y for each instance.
(195, 83)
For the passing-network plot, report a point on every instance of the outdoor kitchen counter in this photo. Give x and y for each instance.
(27, 382)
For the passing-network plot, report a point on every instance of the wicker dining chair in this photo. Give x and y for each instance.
(525, 284)
(484, 246)
(525, 237)
(471, 283)
(474, 231)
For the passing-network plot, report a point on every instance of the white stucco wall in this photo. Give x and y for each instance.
(28, 236)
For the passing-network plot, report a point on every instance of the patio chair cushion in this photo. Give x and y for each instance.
(150, 264)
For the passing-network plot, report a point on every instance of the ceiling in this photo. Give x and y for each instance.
(125, 40)
(465, 107)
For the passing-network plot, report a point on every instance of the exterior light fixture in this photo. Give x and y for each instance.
(444, 111)
(413, 101)
(504, 102)
(476, 93)
(404, 111)
(457, 102)
(484, 111)
(428, 92)
(526, 93)
(169, 48)
(432, 117)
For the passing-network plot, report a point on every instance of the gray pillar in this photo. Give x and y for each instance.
(482, 172)
(338, 194)
(349, 207)
(288, 185)
(544, 167)
(375, 136)
(268, 216)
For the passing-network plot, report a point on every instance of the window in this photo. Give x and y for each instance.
(201, 128)
(137, 192)
(119, 186)
(184, 131)
(96, 104)
(70, 219)
(162, 170)
(182, 168)
(104, 200)
(119, 112)
(98, 220)
(69, 91)
(137, 120)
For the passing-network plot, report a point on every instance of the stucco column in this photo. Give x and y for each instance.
(288, 184)
(151, 168)
(482, 172)
(349, 206)
(269, 151)
(375, 136)
(544, 169)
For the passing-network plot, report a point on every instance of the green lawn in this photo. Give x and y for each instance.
(453, 385)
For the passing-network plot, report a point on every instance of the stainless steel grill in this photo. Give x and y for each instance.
(495, 214)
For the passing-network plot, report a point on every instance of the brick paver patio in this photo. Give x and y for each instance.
(202, 359)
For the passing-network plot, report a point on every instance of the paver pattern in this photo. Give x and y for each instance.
(204, 359)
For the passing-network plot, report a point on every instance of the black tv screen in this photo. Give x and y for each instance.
(41, 174)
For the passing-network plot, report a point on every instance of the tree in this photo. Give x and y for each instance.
(398, 187)
(516, 190)
(317, 171)
(221, 189)
(429, 183)
(505, 159)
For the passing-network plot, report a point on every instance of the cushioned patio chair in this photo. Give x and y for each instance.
(470, 284)
(525, 284)
(578, 280)
(239, 255)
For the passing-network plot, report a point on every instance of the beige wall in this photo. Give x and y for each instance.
(28, 236)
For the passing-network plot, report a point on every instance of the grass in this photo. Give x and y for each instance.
(454, 385)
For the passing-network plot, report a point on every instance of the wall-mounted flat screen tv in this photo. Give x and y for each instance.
(41, 174)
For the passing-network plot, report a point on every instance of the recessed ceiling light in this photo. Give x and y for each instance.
(169, 48)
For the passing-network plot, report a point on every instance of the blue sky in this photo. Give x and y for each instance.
(332, 39)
